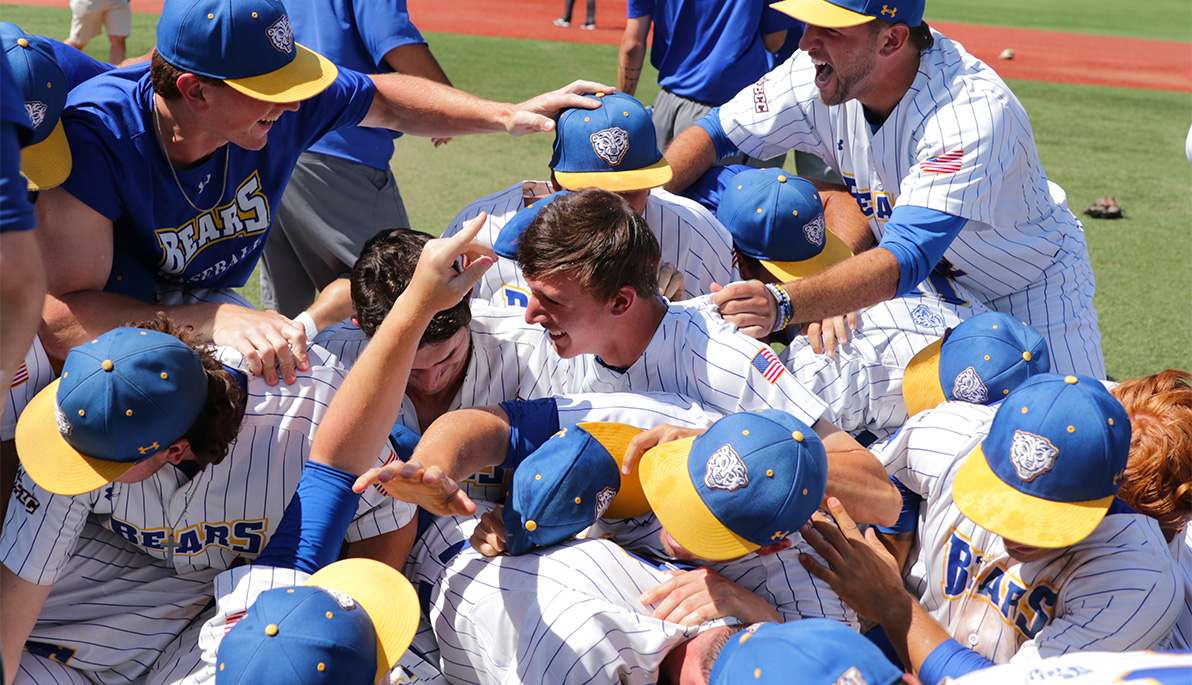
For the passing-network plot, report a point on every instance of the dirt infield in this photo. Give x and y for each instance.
(1038, 55)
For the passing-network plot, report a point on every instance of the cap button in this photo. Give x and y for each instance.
(22, 42)
(107, 365)
(271, 629)
(798, 436)
(782, 179)
(599, 95)
(1070, 380)
(1026, 356)
(577, 500)
(531, 526)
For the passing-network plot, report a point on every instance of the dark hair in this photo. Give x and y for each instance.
(385, 267)
(595, 237)
(164, 77)
(920, 36)
(218, 424)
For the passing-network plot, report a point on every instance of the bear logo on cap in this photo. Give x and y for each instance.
(604, 499)
(37, 112)
(725, 470)
(1032, 455)
(814, 230)
(345, 602)
(63, 422)
(922, 316)
(282, 35)
(611, 144)
(969, 388)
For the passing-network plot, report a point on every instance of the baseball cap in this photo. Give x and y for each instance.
(45, 157)
(613, 147)
(1051, 464)
(122, 397)
(348, 625)
(566, 484)
(510, 235)
(752, 479)
(979, 362)
(778, 218)
(842, 13)
(819, 650)
(249, 44)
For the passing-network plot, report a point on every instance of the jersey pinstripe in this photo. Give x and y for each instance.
(1087, 668)
(1022, 252)
(1181, 553)
(862, 383)
(31, 376)
(690, 237)
(1115, 590)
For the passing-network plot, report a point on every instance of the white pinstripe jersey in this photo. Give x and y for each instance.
(1087, 668)
(568, 614)
(31, 376)
(862, 384)
(1115, 590)
(1181, 552)
(690, 237)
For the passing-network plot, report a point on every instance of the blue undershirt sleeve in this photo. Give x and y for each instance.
(316, 520)
(711, 124)
(909, 516)
(918, 238)
(531, 423)
(952, 660)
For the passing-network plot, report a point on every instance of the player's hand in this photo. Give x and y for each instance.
(690, 598)
(833, 331)
(670, 282)
(441, 141)
(862, 571)
(437, 283)
(429, 488)
(269, 341)
(489, 536)
(538, 114)
(748, 305)
(657, 435)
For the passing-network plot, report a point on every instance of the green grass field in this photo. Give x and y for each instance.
(1093, 141)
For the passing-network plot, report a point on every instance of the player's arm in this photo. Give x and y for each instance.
(633, 53)
(690, 154)
(22, 292)
(21, 605)
(76, 245)
(857, 478)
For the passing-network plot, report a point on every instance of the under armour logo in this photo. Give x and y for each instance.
(151, 448)
(561, 434)
(204, 182)
(886, 10)
(1117, 478)
(780, 534)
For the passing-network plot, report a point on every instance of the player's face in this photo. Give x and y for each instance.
(576, 321)
(1024, 553)
(438, 367)
(845, 61)
(240, 119)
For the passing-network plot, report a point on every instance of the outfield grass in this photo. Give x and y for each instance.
(1093, 141)
(1154, 19)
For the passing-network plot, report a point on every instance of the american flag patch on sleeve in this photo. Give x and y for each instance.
(21, 376)
(947, 163)
(766, 362)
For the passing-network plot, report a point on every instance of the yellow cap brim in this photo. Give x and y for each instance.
(834, 251)
(667, 484)
(820, 13)
(990, 503)
(47, 164)
(645, 178)
(630, 500)
(49, 460)
(305, 77)
(385, 594)
(921, 387)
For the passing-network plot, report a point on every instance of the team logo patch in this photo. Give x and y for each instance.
(761, 103)
(922, 316)
(725, 470)
(1032, 455)
(814, 230)
(611, 144)
(604, 499)
(345, 602)
(766, 362)
(37, 112)
(63, 423)
(852, 677)
(1042, 675)
(282, 35)
(968, 387)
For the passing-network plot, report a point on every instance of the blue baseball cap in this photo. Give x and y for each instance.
(347, 625)
(507, 240)
(841, 13)
(122, 397)
(248, 44)
(566, 484)
(45, 157)
(778, 219)
(821, 651)
(979, 362)
(1053, 460)
(751, 480)
(613, 147)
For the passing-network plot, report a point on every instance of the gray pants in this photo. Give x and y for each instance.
(331, 207)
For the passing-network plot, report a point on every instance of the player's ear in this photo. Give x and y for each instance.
(893, 39)
(176, 452)
(194, 92)
(623, 300)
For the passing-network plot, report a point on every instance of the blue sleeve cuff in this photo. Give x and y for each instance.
(950, 660)
(908, 518)
(918, 238)
(403, 440)
(531, 423)
(710, 187)
(316, 520)
(711, 124)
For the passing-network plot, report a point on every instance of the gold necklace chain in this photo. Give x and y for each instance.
(161, 139)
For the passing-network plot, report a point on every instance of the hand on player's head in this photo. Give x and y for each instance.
(538, 114)
(438, 283)
(430, 488)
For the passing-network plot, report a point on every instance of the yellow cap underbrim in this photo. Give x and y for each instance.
(990, 503)
(821, 13)
(385, 594)
(49, 460)
(645, 178)
(667, 484)
(47, 164)
(305, 77)
(921, 389)
(834, 251)
(630, 500)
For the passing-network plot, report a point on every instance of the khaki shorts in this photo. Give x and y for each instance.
(91, 15)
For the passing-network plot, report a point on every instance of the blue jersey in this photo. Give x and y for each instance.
(121, 172)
